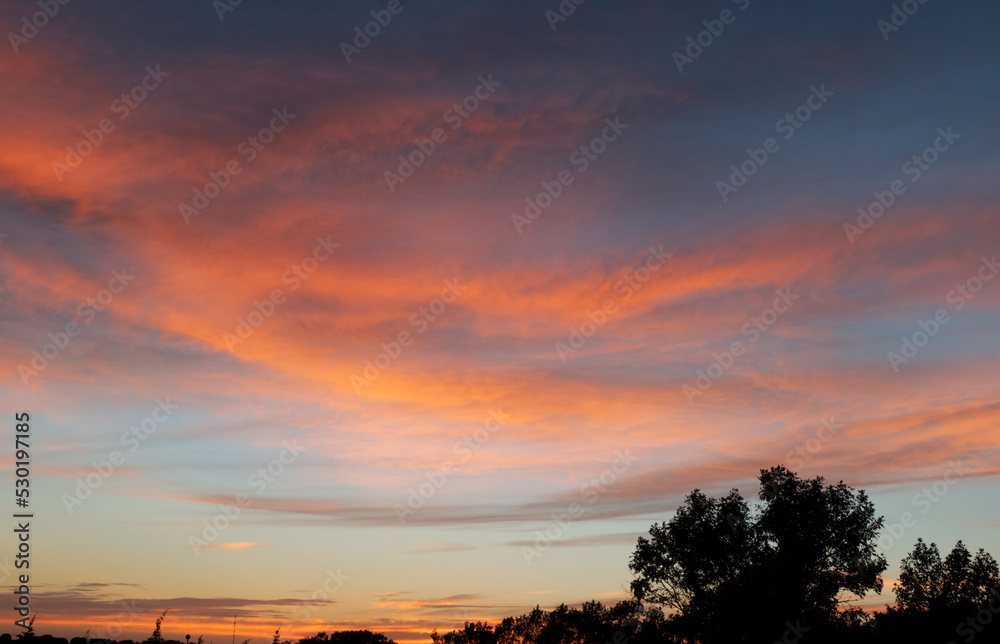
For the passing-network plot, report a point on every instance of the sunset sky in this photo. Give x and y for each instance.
(402, 298)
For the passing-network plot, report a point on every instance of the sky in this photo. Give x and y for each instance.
(393, 315)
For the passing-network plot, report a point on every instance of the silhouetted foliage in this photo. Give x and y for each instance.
(28, 634)
(956, 598)
(157, 636)
(732, 573)
(473, 633)
(626, 622)
(960, 581)
(348, 637)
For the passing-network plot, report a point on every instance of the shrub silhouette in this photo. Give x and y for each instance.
(157, 636)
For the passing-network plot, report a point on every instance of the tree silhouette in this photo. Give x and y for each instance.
(961, 581)
(626, 622)
(782, 568)
(347, 637)
(940, 599)
(472, 633)
(920, 578)
(735, 574)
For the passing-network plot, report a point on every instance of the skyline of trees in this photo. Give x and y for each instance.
(723, 571)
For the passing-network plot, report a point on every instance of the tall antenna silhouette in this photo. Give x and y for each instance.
(234, 629)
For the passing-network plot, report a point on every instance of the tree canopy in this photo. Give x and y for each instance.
(735, 573)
